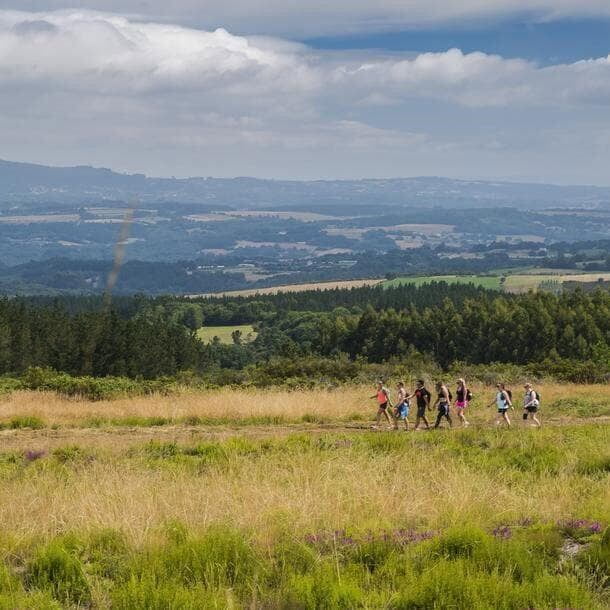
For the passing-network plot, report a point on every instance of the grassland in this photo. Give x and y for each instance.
(525, 282)
(277, 499)
(225, 333)
(345, 284)
(514, 282)
(491, 282)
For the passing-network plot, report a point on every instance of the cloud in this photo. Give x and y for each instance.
(92, 87)
(99, 53)
(321, 17)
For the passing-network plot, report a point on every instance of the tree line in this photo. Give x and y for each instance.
(149, 338)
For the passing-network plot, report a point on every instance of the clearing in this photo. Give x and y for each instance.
(225, 333)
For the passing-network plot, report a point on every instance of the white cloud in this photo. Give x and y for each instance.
(93, 87)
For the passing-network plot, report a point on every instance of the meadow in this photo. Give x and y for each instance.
(225, 333)
(244, 498)
(514, 282)
(489, 282)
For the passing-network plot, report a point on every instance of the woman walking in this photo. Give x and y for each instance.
(442, 402)
(462, 396)
(401, 409)
(531, 402)
(503, 402)
(383, 402)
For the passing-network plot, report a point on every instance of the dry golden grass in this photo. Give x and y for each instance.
(241, 404)
(305, 491)
(345, 284)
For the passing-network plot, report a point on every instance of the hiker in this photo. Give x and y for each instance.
(503, 401)
(462, 396)
(422, 397)
(443, 403)
(401, 409)
(531, 402)
(383, 401)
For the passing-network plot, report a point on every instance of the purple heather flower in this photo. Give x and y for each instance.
(34, 454)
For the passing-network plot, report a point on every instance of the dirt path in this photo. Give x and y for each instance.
(119, 438)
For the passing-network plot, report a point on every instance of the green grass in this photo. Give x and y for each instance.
(224, 333)
(507, 559)
(490, 282)
(516, 280)
(464, 567)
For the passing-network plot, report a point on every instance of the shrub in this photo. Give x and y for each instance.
(26, 421)
(60, 573)
(72, 454)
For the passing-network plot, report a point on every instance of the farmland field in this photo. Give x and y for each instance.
(277, 499)
(515, 282)
(299, 288)
(491, 282)
(224, 333)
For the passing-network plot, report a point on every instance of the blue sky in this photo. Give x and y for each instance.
(492, 89)
(565, 40)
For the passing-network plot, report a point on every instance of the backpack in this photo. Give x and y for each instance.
(537, 395)
(469, 395)
(510, 396)
(450, 394)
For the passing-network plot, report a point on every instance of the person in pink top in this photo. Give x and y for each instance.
(383, 402)
(462, 396)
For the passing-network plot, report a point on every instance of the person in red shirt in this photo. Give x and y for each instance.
(383, 402)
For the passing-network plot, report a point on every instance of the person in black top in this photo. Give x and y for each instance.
(443, 403)
(423, 402)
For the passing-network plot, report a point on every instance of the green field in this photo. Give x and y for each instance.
(515, 282)
(491, 282)
(224, 333)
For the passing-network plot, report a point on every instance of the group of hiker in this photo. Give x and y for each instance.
(400, 409)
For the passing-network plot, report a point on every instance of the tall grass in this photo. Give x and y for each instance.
(266, 517)
(264, 407)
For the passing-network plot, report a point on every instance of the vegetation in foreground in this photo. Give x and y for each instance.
(481, 519)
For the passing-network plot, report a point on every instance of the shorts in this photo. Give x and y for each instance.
(421, 411)
(460, 405)
(532, 408)
(383, 406)
(503, 410)
(402, 412)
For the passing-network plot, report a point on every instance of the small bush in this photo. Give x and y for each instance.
(60, 573)
(72, 454)
(26, 421)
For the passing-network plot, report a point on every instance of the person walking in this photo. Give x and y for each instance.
(383, 402)
(401, 409)
(462, 396)
(442, 403)
(422, 397)
(503, 402)
(531, 404)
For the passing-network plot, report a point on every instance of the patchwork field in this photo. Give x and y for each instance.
(515, 282)
(525, 282)
(277, 499)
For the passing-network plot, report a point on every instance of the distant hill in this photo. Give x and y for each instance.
(29, 184)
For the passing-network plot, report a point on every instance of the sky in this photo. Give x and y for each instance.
(482, 89)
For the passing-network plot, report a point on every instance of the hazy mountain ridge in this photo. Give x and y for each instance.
(31, 184)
